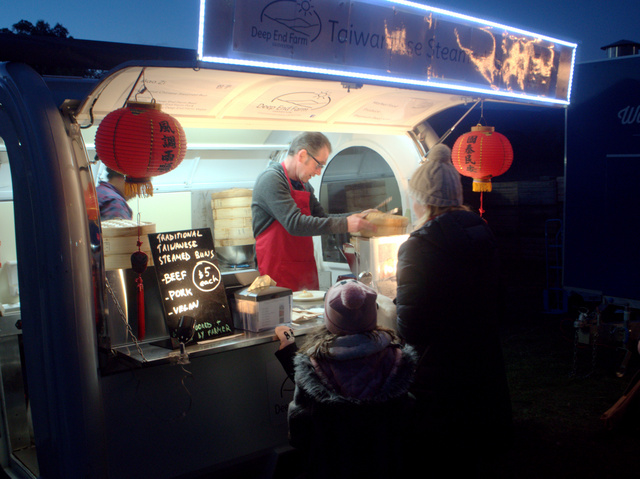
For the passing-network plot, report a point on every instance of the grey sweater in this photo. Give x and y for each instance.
(272, 201)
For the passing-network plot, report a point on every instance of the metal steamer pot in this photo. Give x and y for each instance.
(239, 255)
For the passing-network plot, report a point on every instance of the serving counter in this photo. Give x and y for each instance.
(147, 354)
(226, 398)
(126, 351)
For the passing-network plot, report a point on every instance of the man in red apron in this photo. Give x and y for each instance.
(286, 214)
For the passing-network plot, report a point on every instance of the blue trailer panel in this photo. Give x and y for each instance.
(602, 218)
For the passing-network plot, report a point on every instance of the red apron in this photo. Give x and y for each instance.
(288, 259)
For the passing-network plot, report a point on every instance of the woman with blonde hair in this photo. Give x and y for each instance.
(449, 300)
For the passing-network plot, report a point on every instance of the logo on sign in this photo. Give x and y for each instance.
(289, 22)
(629, 115)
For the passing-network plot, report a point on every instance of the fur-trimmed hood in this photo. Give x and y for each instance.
(363, 368)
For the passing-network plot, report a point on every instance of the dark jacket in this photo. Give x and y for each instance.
(449, 304)
(350, 414)
(111, 203)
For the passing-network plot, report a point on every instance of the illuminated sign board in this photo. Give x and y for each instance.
(397, 42)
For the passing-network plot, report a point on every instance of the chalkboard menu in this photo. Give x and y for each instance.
(193, 295)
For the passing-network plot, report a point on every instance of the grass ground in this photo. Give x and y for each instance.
(559, 392)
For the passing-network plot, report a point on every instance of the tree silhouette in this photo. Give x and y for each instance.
(52, 51)
(25, 27)
(39, 37)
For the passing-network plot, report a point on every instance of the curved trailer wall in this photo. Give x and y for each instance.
(55, 251)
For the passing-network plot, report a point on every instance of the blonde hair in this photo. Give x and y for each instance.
(318, 343)
(432, 211)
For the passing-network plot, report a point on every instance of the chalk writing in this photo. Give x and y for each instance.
(206, 276)
(172, 258)
(190, 281)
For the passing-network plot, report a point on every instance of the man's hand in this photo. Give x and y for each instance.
(366, 212)
(357, 222)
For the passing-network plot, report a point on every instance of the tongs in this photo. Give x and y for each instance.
(391, 212)
(383, 203)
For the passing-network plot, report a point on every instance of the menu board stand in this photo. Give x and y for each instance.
(193, 295)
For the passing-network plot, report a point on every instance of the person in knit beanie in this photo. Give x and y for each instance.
(435, 185)
(449, 305)
(350, 308)
(437, 182)
(351, 405)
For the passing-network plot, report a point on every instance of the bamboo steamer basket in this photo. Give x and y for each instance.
(234, 202)
(120, 241)
(232, 193)
(231, 211)
(386, 225)
(228, 213)
(242, 222)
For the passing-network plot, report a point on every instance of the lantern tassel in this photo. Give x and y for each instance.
(141, 188)
(139, 260)
(481, 184)
(141, 320)
(481, 210)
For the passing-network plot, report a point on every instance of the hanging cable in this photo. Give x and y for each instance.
(450, 130)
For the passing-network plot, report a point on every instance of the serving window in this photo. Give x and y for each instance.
(357, 178)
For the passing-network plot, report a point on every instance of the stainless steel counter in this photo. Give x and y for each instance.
(158, 352)
(146, 353)
(151, 353)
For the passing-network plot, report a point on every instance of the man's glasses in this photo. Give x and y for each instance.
(320, 165)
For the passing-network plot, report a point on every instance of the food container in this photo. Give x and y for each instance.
(241, 255)
(263, 309)
(120, 241)
(232, 217)
(386, 225)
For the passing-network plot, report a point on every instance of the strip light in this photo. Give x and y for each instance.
(396, 79)
(381, 78)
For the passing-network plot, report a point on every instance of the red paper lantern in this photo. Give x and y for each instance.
(140, 141)
(482, 154)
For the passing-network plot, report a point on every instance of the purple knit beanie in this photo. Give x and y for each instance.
(350, 308)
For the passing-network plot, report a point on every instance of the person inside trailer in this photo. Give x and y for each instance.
(286, 214)
(111, 197)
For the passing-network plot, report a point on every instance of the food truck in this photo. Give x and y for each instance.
(85, 394)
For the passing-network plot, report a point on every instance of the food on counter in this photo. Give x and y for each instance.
(264, 281)
(299, 316)
(308, 295)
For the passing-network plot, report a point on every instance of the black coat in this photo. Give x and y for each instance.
(342, 436)
(449, 303)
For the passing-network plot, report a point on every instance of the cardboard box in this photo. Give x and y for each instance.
(263, 309)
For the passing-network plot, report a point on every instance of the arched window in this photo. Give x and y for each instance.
(356, 179)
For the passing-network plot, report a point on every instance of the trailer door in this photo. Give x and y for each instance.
(57, 313)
